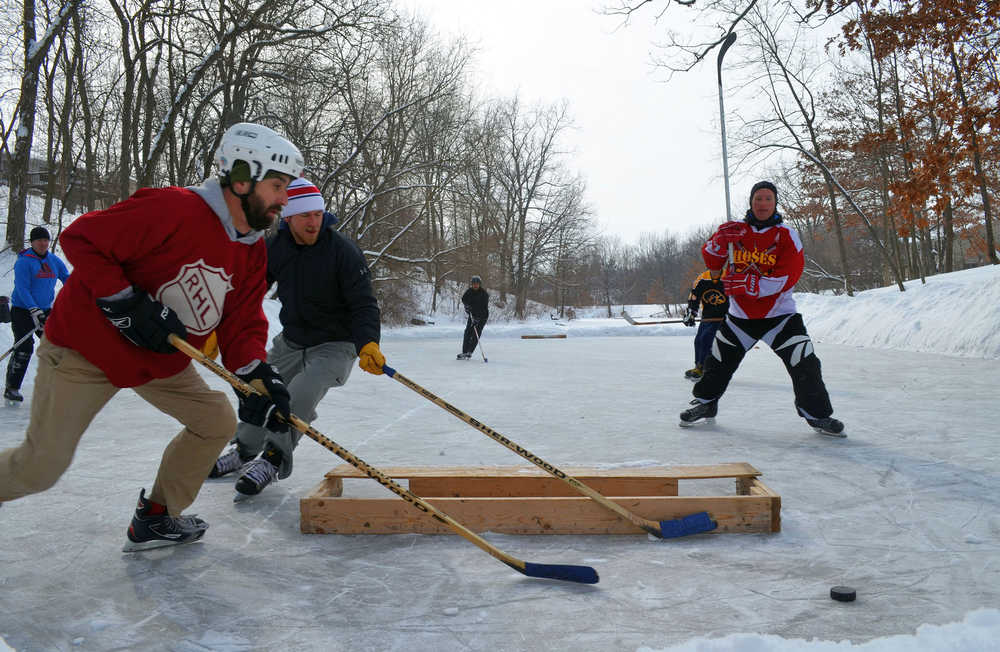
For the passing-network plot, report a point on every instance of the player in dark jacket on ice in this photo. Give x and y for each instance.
(329, 317)
(477, 306)
(710, 293)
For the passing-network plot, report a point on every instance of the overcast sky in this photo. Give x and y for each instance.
(649, 149)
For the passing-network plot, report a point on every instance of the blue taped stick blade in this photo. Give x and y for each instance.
(581, 574)
(687, 525)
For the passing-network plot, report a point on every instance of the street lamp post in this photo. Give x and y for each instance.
(722, 121)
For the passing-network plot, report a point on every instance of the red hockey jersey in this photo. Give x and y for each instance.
(774, 252)
(186, 254)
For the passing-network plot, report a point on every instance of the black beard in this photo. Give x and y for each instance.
(256, 213)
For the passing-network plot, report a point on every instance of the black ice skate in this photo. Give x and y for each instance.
(463, 356)
(256, 475)
(12, 397)
(149, 531)
(699, 412)
(228, 462)
(827, 426)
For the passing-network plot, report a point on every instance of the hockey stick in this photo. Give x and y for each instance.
(17, 344)
(629, 319)
(691, 524)
(581, 574)
(479, 342)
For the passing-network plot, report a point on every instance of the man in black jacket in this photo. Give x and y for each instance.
(329, 316)
(476, 301)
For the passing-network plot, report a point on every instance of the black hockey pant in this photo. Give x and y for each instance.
(22, 324)
(470, 340)
(787, 336)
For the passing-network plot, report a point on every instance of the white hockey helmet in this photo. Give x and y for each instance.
(261, 148)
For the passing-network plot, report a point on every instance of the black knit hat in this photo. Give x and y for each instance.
(39, 233)
(763, 184)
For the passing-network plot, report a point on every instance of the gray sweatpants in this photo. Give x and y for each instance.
(309, 372)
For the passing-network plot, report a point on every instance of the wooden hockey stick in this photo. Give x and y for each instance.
(691, 524)
(629, 319)
(580, 574)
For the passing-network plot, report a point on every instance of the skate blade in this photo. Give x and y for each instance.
(133, 546)
(827, 433)
(12, 403)
(239, 498)
(691, 424)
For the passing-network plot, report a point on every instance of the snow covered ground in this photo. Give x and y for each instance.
(905, 509)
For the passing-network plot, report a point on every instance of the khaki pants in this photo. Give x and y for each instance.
(68, 394)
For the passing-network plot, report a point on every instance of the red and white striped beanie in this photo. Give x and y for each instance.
(303, 197)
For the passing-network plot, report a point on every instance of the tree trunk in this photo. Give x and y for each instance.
(977, 160)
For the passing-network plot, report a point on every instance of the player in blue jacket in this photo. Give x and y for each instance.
(35, 274)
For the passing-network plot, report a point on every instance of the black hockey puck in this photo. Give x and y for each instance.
(843, 594)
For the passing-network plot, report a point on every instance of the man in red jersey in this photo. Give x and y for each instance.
(184, 261)
(766, 263)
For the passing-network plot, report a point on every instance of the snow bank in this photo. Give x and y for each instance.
(979, 631)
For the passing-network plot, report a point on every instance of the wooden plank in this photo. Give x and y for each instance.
(539, 486)
(561, 336)
(743, 514)
(693, 472)
(758, 488)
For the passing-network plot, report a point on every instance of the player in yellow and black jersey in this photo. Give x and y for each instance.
(710, 294)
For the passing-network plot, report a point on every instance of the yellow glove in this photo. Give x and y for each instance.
(371, 359)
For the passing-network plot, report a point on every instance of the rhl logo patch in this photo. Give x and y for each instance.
(197, 295)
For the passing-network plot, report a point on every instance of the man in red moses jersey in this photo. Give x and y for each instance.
(181, 261)
(766, 261)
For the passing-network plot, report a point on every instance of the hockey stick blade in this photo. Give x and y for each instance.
(578, 574)
(686, 525)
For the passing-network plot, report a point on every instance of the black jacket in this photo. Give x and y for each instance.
(325, 290)
(711, 294)
(477, 302)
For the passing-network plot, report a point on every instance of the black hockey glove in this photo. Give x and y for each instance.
(38, 316)
(689, 318)
(144, 321)
(263, 409)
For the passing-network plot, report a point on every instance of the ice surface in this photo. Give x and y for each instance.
(905, 509)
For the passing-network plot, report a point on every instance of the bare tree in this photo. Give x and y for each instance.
(35, 51)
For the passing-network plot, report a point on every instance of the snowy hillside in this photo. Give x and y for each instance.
(952, 314)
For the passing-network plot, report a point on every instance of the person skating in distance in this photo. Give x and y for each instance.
(767, 262)
(477, 307)
(35, 274)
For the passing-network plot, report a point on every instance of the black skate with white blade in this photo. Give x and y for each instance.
(699, 413)
(12, 397)
(228, 462)
(827, 426)
(256, 474)
(149, 531)
(463, 356)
